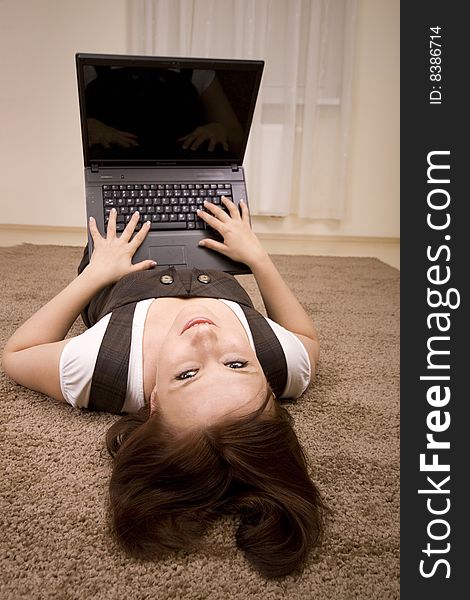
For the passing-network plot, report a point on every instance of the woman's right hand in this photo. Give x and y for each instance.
(240, 242)
(112, 254)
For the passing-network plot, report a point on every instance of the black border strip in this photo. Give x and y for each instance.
(434, 254)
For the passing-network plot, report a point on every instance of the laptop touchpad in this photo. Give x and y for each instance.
(168, 255)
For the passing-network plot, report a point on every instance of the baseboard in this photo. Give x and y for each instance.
(386, 249)
(13, 234)
(383, 248)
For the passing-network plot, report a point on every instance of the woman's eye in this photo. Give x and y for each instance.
(232, 364)
(187, 374)
(236, 364)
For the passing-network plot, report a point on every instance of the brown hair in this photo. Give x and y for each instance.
(166, 489)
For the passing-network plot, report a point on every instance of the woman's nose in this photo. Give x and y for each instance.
(203, 334)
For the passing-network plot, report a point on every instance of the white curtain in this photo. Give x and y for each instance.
(297, 152)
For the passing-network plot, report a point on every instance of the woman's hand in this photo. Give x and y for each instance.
(112, 255)
(240, 243)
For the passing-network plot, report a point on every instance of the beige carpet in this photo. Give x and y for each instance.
(54, 470)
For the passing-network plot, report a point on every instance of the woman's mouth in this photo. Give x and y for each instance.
(196, 321)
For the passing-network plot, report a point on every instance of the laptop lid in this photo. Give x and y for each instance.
(140, 111)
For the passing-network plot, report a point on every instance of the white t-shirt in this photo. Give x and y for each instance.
(78, 358)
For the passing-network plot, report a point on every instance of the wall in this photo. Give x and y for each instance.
(40, 144)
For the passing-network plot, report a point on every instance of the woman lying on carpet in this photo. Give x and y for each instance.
(198, 373)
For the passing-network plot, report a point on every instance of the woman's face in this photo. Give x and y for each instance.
(206, 369)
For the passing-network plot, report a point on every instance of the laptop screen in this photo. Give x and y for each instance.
(148, 110)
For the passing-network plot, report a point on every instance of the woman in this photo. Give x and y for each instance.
(194, 371)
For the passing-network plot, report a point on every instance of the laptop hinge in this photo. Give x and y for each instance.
(234, 167)
(94, 168)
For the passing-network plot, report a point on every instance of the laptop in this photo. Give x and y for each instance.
(161, 135)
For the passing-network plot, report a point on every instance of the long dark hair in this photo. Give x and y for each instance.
(166, 489)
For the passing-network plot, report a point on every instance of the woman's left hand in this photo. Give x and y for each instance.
(240, 241)
(112, 255)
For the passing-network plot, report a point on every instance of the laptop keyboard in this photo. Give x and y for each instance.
(165, 205)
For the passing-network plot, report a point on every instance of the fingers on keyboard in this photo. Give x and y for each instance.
(165, 205)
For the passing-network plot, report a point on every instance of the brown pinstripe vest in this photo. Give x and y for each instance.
(109, 383)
